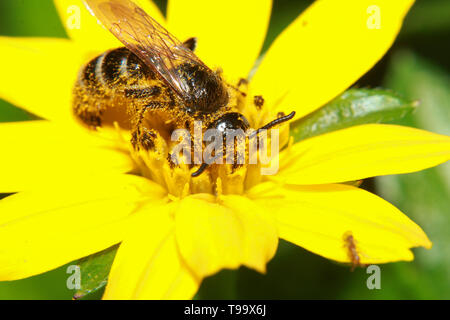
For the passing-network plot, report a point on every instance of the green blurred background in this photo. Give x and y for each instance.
(418, 67)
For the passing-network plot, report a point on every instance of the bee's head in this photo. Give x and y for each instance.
(233, 121)
(230, 121)
(206, 92)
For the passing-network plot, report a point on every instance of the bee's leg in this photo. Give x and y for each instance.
(142, 137)
(153, 105)
(241, 88)
(242, 82)
(191, 43)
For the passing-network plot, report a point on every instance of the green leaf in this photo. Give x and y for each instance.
(30, 19)
(354, 107)
(94, 271)
(10, 113)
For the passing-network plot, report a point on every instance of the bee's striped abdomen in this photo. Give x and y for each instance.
(114, 79)
(118, 67)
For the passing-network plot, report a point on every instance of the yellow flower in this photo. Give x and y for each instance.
(75, 195)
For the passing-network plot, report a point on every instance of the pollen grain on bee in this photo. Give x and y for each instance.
(230, 146)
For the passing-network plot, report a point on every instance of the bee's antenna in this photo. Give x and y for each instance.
(205, 165)
(278, 121)
(274, 123)
(200, 170)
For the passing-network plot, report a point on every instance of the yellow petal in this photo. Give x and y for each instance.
(324, 51)
(48, 227)
(230, 33)
(361, 152)
(34, 153)
(214, 236)
(147, 264)
(83, 28)
(318, 218)
(38, 75)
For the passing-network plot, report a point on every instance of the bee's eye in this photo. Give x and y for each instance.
(231, 121)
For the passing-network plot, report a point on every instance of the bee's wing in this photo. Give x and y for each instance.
(146, 38)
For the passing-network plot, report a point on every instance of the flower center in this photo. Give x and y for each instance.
(175, 161)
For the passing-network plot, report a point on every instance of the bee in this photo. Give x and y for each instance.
(154, 84)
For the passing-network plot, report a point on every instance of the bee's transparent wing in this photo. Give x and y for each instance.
(146, 38)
